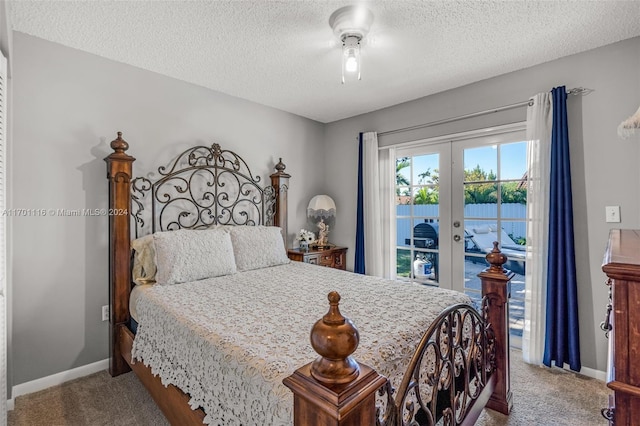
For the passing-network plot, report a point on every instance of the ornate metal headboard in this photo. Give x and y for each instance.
(203, 186)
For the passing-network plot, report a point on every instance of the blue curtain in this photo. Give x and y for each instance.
(562, 343)
(359, 260)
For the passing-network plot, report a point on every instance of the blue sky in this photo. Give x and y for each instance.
(513, 160)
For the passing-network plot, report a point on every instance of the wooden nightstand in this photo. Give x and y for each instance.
(335, 257)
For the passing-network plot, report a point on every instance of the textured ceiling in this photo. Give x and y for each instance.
(283, 53)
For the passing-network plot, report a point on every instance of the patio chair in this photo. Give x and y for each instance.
(480, 238)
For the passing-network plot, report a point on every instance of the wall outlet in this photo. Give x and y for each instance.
(105, 313)
(613, 214)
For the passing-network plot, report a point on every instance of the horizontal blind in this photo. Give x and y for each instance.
(3, 239)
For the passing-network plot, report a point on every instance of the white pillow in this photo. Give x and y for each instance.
(482, 229)
(257, 247)
(144, 263)
(190, 255)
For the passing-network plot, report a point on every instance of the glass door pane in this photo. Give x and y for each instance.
(489, 199)
(419, 210)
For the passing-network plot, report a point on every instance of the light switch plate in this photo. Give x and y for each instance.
(613, 214)
(105, 313)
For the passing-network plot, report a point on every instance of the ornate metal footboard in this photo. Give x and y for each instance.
(451, 366)
(460, 366)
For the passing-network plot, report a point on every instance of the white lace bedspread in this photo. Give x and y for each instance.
(229, 341)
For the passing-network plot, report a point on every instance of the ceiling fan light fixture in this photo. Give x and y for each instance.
(351, 24)
(350, 58)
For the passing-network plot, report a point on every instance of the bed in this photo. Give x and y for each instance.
(221, 343)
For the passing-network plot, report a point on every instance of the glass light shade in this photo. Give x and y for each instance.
(351, 62)
(351, 24)
(321, 208)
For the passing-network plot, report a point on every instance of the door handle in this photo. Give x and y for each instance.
(456, 238)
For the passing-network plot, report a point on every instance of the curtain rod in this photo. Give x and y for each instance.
(575, 91)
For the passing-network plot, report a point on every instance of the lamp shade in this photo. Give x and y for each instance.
(321, 209)
(322, 206)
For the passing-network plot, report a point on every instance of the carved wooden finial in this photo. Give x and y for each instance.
(119, 145)
(280, 166)
(333, 316)
(334, 338)
(496, 258)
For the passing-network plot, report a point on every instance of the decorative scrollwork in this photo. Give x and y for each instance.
(448, 371)
(202, 187)
(139, 187)
(491, 335)
(386, 414)
(209, 157)
(608, 413)
(606, 324)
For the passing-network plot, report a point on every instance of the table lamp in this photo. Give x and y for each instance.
(321, 215)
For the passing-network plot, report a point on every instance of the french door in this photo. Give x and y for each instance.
(454, 198)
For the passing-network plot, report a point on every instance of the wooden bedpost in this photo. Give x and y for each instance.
(334, 390)
(119, 167)
(280, 183)
(496, 287)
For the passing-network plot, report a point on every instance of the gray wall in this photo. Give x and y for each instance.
(68, 106)
(604, 168)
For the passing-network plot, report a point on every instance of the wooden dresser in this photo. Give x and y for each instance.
(622, 266)
(335, 257)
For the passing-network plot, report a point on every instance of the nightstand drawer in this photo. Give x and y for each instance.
(326, 259)
(313, 259)
(334, 257)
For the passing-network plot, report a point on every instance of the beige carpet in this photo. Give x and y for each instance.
(541, 397)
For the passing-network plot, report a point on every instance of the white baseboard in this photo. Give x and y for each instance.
(85, 370)
(55, 379)
(593, 373)
(585, 371)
